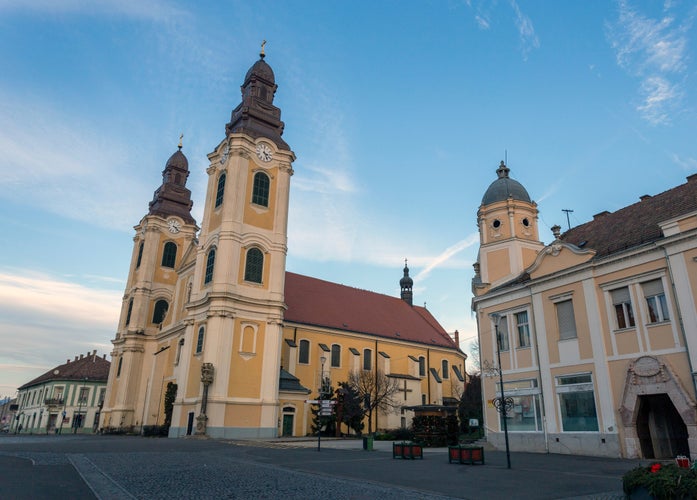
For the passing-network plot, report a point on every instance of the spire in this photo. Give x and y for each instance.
(405, 285)
(172, 197)
(256, 115)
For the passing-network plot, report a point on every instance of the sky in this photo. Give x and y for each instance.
(399, 114)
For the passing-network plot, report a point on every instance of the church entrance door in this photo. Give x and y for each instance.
(661, 431)
(287, 425)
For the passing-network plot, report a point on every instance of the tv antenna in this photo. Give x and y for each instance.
(568, 223)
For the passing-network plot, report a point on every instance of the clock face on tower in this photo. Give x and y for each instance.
(264, 152)
(225, 154)
(174, 225)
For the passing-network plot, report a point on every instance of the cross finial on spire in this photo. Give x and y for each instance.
(262, 54)
(181, 136)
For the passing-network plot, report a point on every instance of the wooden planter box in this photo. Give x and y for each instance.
(407, 450)
(466, 454)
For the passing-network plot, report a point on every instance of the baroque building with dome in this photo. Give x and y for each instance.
(214, 324)
(594, 334)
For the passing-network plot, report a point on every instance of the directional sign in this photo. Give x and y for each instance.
(312, 401)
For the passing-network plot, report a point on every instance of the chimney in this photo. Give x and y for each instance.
(645, 197)
(457, 338)
(104, 356)
(82, 356)
(75, 358)
(601, 214)
(67, 361)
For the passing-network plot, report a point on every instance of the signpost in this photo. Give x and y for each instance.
(326, 409)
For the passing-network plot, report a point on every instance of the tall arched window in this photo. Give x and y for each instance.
(445, 369)
(260, 195)
(304, 352)
(199, 340)
(210, 265)
(422, 366)
(254, 265)
(221, 190)
(367, 359)
(129, 311)
(140, 254)
(336, 355)
(159, 311)
(169, 254)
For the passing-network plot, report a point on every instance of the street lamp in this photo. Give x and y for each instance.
(502, 403)
(322, 360)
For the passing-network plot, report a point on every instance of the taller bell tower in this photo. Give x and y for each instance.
(234, 324)
(508, 232)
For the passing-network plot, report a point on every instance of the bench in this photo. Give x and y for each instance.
(466, 454)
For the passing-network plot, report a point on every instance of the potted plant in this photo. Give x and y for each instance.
(660, 481)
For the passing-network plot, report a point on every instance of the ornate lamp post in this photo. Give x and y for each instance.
(502, 403)
(80, 400)
(321, 397)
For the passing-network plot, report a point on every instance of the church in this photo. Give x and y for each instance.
(591, 340)
(212, 321)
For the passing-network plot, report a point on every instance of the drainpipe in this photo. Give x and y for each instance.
(680, 323)
(376, 382)
(539, 370)
(428, 373)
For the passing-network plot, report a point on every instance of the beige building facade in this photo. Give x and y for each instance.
(212, 313)
(596, 331)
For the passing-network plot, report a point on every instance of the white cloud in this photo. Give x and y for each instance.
(653, 50)
(46, 320)
(51, 156)
(526, 31)
(152, 9)
(446, 255)
(687, 164)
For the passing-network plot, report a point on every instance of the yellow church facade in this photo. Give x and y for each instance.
(212, 318)
(596, 332)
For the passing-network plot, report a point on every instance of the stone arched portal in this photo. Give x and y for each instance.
(648, 376)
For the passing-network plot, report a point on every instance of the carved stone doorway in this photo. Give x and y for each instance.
(661, 431)
(657, 412)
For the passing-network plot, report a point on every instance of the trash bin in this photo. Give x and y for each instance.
(368, 443)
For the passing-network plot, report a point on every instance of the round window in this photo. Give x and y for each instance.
(526, 222)
(496, 224)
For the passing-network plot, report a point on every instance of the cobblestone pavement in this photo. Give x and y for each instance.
(120, 467)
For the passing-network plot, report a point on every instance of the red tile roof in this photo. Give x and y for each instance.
(636, 224)
(91, 366)
(312, 301)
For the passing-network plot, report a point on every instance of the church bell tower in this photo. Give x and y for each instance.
(234, 325)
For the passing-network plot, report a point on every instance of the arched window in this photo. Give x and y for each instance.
(140, 254)
(367, 359)
(129, 311)
(422, 366)
(304, 352)
(254, 266)
(260, 195)
(160, 311)
(169, 254)
(210, 265)
(199, 340)
(444, 365)
(221, 190)
(336, 355)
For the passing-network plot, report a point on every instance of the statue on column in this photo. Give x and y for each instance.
(206, 379)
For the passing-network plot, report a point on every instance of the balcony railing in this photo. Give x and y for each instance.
(53, 401)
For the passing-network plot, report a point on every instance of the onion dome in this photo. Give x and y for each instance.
(406, 284)
(262, 70)
(173, 197)
(504, 187)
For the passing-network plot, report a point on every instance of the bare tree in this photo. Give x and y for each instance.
(474, 351)
(376, 390)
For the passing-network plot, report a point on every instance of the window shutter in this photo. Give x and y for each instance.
(653, 287)
(620, 296)
(566, 319)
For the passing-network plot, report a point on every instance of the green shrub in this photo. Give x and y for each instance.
(662, 481)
